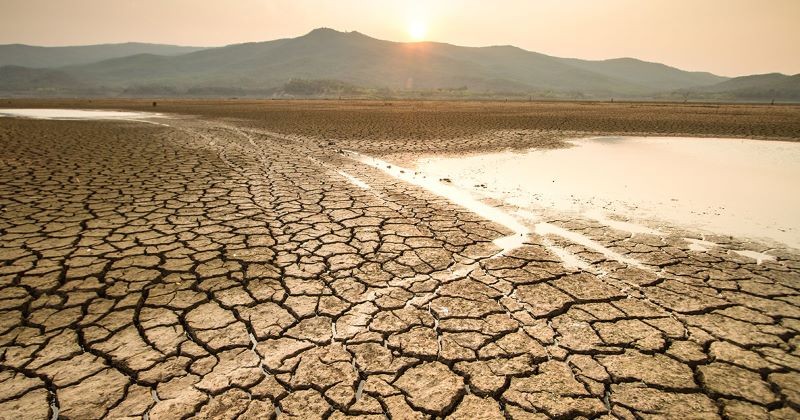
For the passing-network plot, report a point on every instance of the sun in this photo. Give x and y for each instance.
(417, 30)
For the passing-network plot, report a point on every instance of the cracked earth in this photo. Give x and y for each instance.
(209, 269)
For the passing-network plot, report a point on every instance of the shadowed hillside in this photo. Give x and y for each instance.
(23, 79)
(763, 87)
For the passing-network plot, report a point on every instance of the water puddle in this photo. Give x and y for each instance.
(743, 188)
(80, 114)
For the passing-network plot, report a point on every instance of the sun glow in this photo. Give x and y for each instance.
(417, 30)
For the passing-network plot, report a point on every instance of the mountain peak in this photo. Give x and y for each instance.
(329, 33)
(324, 31)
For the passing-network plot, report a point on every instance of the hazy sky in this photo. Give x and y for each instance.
(727, 37)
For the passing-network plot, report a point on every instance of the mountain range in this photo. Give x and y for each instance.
(326, 62)
(32, 56)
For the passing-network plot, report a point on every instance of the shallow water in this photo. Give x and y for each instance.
(76, 114)
(744, 188)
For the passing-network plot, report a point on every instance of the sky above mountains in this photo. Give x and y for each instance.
(727, 37)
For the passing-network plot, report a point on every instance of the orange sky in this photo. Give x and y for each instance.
(727, 37)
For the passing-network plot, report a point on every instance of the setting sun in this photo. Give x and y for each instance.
(417, 30)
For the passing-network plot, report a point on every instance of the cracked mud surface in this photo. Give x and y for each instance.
(217, 269)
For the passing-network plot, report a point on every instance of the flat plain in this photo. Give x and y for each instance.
(233, 261)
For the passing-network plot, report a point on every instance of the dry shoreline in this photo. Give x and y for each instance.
(234, 263)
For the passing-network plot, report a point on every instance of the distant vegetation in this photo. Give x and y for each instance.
(305, 87)
(23, 79)
(330, 64)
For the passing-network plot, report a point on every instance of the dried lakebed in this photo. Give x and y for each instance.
(222, 271)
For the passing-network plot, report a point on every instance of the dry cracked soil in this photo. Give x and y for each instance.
(228, 265)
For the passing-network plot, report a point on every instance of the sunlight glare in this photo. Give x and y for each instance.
(417, 30)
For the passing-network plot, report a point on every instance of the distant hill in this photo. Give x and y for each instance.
(49, 57)
(329, 62)
(15, 79)
(360, 60)
(652, 75)
(759, 87)
(351, 58)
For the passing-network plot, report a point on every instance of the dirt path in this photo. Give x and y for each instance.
(218, 270)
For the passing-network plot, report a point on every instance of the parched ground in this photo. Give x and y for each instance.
(227, 266)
